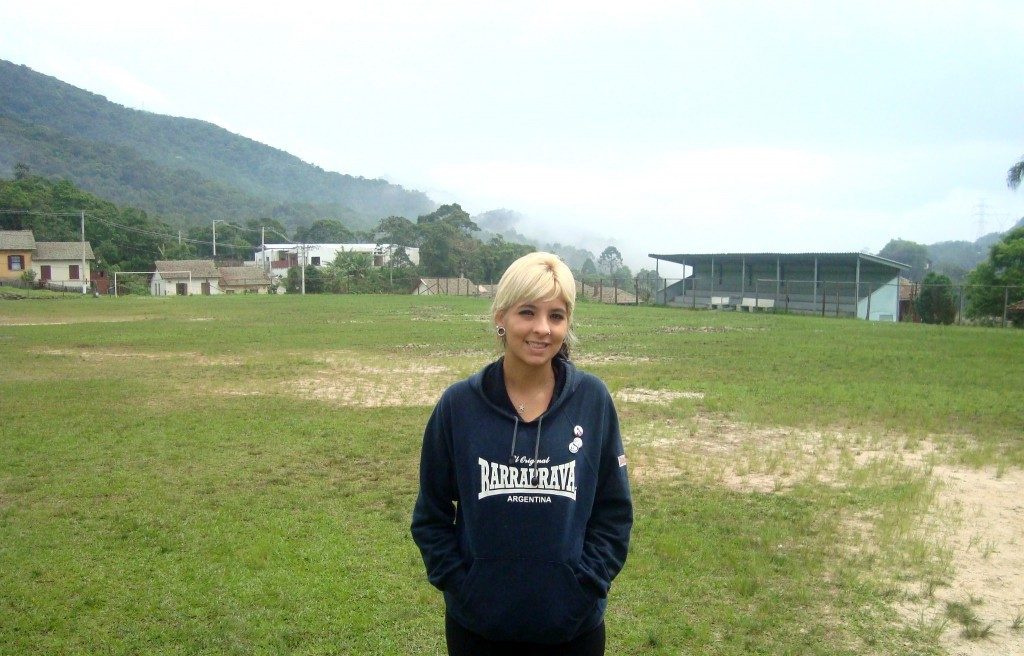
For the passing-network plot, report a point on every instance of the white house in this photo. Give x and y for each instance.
(184, 278)
(60, 263)
(278, 258)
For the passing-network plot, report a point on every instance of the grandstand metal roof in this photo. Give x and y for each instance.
(692, 258)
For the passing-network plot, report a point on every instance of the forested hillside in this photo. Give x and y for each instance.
(951, 258)
(185, 170)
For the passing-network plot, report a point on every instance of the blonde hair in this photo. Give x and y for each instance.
(538, 276)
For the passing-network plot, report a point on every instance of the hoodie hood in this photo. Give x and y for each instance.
(489, 384)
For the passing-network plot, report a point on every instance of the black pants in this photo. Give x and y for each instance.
(466, 643)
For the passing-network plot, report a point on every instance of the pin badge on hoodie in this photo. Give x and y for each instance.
(575, 445)
(578, 431)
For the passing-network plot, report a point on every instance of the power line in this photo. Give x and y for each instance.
(38, 213)
(151, 233)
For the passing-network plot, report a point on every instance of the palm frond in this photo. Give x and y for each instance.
(1015, 175)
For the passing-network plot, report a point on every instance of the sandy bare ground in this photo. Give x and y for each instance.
(347, 378)
(987, 543)
(654, 397)
(104, 354)
(977, 518)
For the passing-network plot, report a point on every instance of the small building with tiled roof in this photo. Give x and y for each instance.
(244, 280)
(185, 278)
(16, 250)
(60, 263)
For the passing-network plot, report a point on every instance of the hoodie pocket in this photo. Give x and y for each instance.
(527, 600)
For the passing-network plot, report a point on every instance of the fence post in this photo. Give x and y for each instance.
(636, 289)
(824, 291)
(960, 312)
(867, 313)
(837, 299)
(787, 298)
(615, 290)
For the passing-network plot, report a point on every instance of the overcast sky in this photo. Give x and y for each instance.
(703, 126)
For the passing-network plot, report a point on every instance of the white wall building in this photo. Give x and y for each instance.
(278, 258)
(60, 263)
(185, 278)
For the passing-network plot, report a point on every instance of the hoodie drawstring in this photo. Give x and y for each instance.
(536, 448)
(512, 454)
(536, 452)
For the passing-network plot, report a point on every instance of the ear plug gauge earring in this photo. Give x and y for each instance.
(500, 330)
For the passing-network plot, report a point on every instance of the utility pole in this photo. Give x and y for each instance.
(82, 274)
(303, 248)
(215, 238)
(263, 248)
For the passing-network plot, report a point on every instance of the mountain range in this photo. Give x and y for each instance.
(184, 170)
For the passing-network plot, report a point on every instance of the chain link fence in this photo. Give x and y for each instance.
(879, 301)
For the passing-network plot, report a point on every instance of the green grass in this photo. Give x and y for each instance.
(172, 483)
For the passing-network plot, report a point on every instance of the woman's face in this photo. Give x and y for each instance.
(534, 331)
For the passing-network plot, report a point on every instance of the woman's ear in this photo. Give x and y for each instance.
(499, 318)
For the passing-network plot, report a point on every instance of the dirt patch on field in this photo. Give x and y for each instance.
(749, 458)
(108, 354)
(351, 379)
(986, 540)
(590, 360)
(977, 518)
(654, 397)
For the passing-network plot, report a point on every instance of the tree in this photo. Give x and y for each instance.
(1015, 175)
(908, 252)
(324, 231)
(316, 280)
(647, 283)
(611, 259)
(494, 257)
(352, 265)
(1000, 278)
(397, 230)
(448, 246)
(935, 303)
(588, 271)
(274, 233)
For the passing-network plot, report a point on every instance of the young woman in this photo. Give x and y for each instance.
(524, 512)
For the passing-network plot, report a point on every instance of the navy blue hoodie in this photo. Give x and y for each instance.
(524, 525)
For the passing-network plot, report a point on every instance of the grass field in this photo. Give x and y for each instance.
(236, 475)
